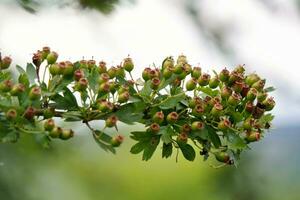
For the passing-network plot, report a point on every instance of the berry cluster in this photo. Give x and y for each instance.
(180, 105)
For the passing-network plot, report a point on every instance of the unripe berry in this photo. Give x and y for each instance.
(178, 69)
(91, 64)
(78, 74)
(249, 107)
(155, 82)
(222, 157)
(248, 123)
(182, 137)
(56, 132)
(261, 96)
(252, 136)
(49, 124)
(257, 112)
(66, 134)
(196, 72)
(234, 76)
(234, 99)
(251, 79)
(172, 117)
(17, 89)
(104, 88)
(123, 97)
(197, 126)
(259, 85)
(11, 114)
(168, 63)
(83, 64)
(128, 64)
(224, 124)
(6, 86)
(5, 62)
(112, 72)
(69, 69)
(117, 141)
(176, 82)
(217, 110)
(54, 69)
(251, 95)
(181, 59)
(35, 93)
(52, 57)
(204, 79)
(103, 78)
(146, 74)
(45, 52)
(158, 117)
(120, 72)
(154, 128)
(226, 92)
(194, 101)
(214, 82)
(238, 86)
(186, 128)
(269, 103)
(198, 110)
(29, 113)
(112, 87)
(81, 85)
(187, 68)
(123, 88)
(167, 73)
(240, 69)
(191, 84)
(182, 75)
(111, 121)
(48, 113)
(104, 105)
(102, 67)
(224, 75)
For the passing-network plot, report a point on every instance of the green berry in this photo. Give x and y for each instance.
(154, 128)
(17, 89)
(104, 105)
(224, 75)
(35, 93)
(155, 82)
(269, 103)
(52, 57)
(112, 72)
(222, 157)
(226, 92)
(6, 86)
(66, 134)
(259, 85)
(167, 73)
(78, 74)
(182, 137)
(117, 141)
(11, 114)
(55, 132)
(5, 63)
(251, 79)
(195, 101)
(251, 95)
(111, 121)
(181, 59)
(172, 117)
(49, 125)
(196, 72)
(104, 88)
(224, 124)
(252, 136)
(48, 113)
(54, 69)
(178, 69)
(204, 79)
(197, 126)
(45, 52)
(123, 97)
(158, 117)
(186, 128)
(120, 72)
(191, 84)
(102, 67)
(168, 63)
(234, 99)
(29, 113)
(146, 73)
(128, 64)
(91, 64)
(240, 69)
(214, 82)
(217, 110)
(69, 69)
(81, 85)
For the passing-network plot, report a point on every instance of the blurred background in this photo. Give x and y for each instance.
(263, 34)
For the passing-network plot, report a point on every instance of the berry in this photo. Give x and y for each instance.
(120, 72)
(69, 69)
(226, 92)
(146, 74)
(35, 93)
(257, 112)
(224, 75)
(155, 82)
(91, 64)
(251, 95)
(182, 75)
(269, 103)
(259, 85)
(104, 88)
(45, 52)
(5, 62)
(117, 141)
(251, 79)
(112, 72)
(48, 113)
(214, 82)
(81, 85)
(178, 69)
(54, 69)
(66, 134)
(238, 86)
(196, 72)
(128, 64)
(6, 86)
(224, 124)
(83, 64)
(191, 84)
(198, 110)
(78, 74)
(186, 128)
(104, 105)
(234, 99)
(56, 132)
(49, 124)
(158, 117)
(252, 136)
(154, 128)
(104, 77)
(11, 114)
(261, 96)
(197, 126)
(102, 67)
(181, 59)
(17, 89)
(167, 73)
(204, 79)
(240, 69)
(172, 117)
(222, 157)
(52, 57)
(248, 123)
(111, 121)
(123, 97)
(195, 101)
(168, 63)
(217, 110)
(29, 113)
(182, 137)
(37, 59)
(249, 107)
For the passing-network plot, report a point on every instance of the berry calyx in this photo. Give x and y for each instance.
(154, 127)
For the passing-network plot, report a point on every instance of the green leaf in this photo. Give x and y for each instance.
(93, 79)
(130, 113)
(103, 140)
(146, 91)
(235, 141)
(140, 136)
(236, 116)
(269, 89)
(203, 134)
(171, 101)
(138, 147)
(5, 76)
(31, 73)
(166, 133)
(208, 91)
(70, 98)
(187, 151)
(266, 119)
(213, 136)
(167, 150)
(20, 69)
(150, 148)
(72, 116)
(63, 83)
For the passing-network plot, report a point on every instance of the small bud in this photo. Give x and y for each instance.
(196, 72)
(49, 124)
(102, 67)
(55, 132)
(197, 126)
(158, 117)
(11, 114)
(111, 121)
(78, 74)
(66, 134)
(52, 57)
(128, 64)
(17, 89)
(191, 84)
(35, 93)
(123, 97)
(155, 82)
(5, 62)
(269, 103)
(154, 128)
(204, 79)
(224, 75)
(117, 141)
(172, 117)
(252, 136)
(214, 82)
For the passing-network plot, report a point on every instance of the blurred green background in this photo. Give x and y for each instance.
(262, 34)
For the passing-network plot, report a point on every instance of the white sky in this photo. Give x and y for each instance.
(150, 30)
